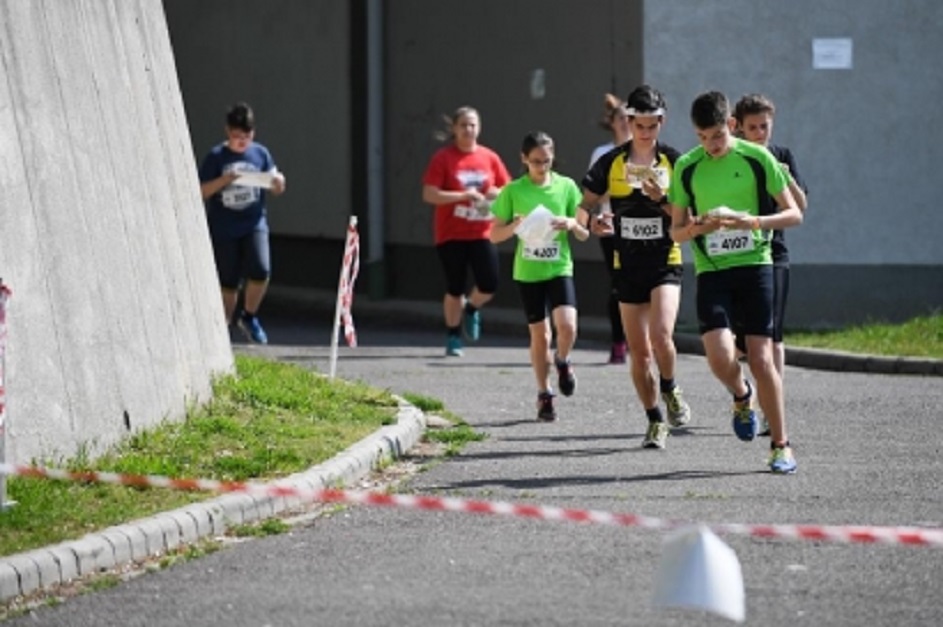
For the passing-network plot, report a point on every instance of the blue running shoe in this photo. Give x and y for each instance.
(744, 421)
(253, 330)
(782, 462)
(453, 346)
(471, 325)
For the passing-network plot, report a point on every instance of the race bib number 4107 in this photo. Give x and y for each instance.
(729, 242)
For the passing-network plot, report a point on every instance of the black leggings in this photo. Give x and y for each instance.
(780, 295)
(543, 296)
(479, 254)
(608, 246)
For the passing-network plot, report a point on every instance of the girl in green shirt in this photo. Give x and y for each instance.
(543, 264)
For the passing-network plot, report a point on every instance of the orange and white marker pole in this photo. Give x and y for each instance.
(350, 267)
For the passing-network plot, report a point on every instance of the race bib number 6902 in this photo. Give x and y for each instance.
(641, 228)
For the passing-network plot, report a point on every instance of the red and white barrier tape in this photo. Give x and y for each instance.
(349, 272)
(913, 536)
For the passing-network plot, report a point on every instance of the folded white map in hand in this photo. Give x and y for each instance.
(255, 179)
(536, 229)
(725, 212)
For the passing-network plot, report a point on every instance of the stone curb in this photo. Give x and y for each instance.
(852, 362)
(837, 361)
(28, 572)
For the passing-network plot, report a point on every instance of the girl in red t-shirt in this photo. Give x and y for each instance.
(461, 180)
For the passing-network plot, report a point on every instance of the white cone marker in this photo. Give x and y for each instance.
(697, 570)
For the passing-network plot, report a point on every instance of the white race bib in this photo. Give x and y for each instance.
(237, 197)
(546, 252)
(641, 228)
(725, 242)
(467, 212)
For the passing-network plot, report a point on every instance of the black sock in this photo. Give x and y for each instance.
(666, 385)
(454, 331)
(469, 308)
(776, 445)
(745, 397)
(248, 315)
(654, 414)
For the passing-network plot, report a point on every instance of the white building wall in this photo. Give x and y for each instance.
(116, 317)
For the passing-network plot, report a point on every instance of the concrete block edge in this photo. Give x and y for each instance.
(390, 441)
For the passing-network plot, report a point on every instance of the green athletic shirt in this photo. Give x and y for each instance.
(521, 196)
(741, 180)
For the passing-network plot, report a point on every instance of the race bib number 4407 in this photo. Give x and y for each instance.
(729, 242)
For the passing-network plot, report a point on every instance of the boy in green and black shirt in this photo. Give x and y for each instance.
(717, 194)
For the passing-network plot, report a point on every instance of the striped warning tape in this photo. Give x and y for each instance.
(913, 536)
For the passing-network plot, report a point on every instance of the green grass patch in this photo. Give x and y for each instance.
(918, 337)
(424, 403)
(268, 420)
(455, 438)
(103, 582)
(268, 527)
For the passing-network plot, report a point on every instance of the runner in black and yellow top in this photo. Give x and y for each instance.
(635, 175)
(717, 195)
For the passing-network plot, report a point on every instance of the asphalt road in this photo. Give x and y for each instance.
(869, 453)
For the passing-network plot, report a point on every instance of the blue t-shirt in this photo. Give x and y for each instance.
(235, 210)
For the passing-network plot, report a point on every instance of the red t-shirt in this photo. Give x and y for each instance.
(453, 170)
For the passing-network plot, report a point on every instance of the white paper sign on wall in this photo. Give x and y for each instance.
(833, 53)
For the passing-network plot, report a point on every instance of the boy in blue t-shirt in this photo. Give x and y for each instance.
(236, 215)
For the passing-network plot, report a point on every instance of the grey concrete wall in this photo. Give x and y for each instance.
(103, 240)
(450, 55)
(857, 133)
(289, 59)
(865, 138)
